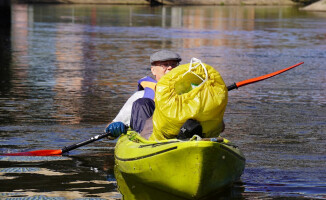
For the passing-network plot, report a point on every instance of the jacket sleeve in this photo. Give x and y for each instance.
(124, 114)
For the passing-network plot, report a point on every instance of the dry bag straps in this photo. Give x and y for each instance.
(194, 63)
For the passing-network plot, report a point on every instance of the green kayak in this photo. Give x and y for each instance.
(190, 169)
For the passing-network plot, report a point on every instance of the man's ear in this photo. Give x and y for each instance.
(153, 71)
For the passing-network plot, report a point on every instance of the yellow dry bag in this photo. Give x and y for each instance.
(190, 91)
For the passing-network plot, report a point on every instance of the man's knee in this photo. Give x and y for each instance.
(145, 105)
(142, 109)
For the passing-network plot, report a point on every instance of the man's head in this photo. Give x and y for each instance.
(162, 62)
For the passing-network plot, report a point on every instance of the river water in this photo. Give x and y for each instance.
(66, 70)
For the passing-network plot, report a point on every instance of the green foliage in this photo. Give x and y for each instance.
(305, 2)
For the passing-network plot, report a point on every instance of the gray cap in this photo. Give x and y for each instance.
(164, 55)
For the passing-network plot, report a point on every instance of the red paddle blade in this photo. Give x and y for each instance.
(36, 153)
(260, 78)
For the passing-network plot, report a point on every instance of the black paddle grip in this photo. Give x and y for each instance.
(92, 139)
(233, 86)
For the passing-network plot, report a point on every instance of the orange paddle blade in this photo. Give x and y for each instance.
(36, 153)
(260, 78)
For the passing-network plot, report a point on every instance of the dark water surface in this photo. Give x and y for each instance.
(66, 70)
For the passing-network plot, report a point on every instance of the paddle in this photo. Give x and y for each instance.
(98, 137)
(260, 78)
(55, 152)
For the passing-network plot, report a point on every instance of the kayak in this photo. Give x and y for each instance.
(190, 169)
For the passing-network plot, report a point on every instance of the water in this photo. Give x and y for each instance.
(66, 70)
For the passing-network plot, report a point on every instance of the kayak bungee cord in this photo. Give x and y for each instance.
(55, 152)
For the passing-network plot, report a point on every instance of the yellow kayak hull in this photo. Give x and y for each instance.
(190, 169)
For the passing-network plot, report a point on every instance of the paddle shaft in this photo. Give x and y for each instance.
(56, 152)
(260, 78)
(231, 87)
(98, 137)
(90, 140)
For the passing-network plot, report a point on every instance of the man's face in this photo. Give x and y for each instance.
(160, 68)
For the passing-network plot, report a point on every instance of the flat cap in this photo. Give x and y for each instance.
(164, 55)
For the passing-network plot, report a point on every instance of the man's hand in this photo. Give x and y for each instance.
(115, 129)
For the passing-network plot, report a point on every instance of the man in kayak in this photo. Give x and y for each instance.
(140, 106)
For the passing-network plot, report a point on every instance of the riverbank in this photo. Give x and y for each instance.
(166, 2)
(318, 6)
(229, 2)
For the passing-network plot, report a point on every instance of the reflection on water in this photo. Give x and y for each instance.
(56, 177)
(67, 69)
(88, 53)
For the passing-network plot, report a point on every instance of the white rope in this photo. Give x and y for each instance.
(191, 67)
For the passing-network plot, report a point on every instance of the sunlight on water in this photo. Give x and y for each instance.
(66, 70)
